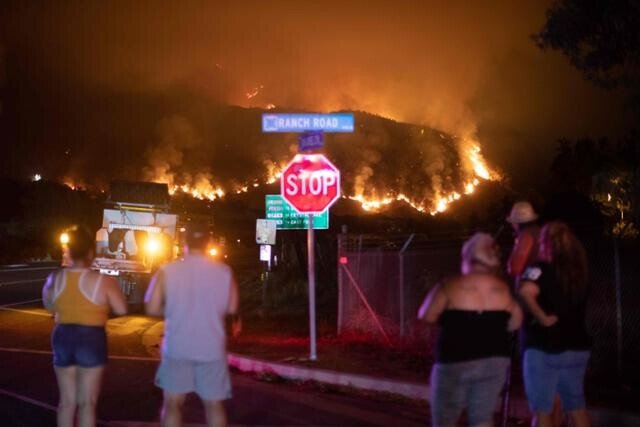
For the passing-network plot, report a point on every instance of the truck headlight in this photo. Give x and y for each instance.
(153, 245)
(213, 252)
(64, 238)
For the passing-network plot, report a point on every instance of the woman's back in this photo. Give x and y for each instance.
(475, 323)
(478, 292)
(80, 297)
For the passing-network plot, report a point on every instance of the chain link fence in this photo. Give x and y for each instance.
(382, 281)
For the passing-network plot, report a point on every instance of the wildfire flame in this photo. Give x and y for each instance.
(475, 167)
(203, 187)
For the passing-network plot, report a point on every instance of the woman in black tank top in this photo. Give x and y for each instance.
(475, 312)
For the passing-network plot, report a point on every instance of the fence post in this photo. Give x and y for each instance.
(401, 281)
(341, 241)
(618, 281)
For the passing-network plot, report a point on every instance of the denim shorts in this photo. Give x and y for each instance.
(546, 374)
(474, 385)
(79, 345)
(210, 380)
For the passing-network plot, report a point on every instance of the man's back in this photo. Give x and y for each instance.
(197, 292)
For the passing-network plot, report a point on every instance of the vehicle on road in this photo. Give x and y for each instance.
(138, 234)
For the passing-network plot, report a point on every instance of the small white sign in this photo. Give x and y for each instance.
(265, 253)
(266, 231)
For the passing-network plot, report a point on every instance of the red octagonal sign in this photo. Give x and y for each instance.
(310, 183)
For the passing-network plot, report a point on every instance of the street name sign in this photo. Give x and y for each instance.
(287, 218)
(310, 140)
(335, 122)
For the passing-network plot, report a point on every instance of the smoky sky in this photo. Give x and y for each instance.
(466, 68)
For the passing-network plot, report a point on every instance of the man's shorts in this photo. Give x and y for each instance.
(474, 385)
(79, 345)
(548, 373)
(210, 380)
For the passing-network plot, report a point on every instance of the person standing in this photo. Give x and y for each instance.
(554, 294)
(523, 218)
(475, 312)
(80, 299)
(194, 295)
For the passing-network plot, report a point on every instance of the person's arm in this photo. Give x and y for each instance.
(529, 292)
(433, 305)
(520, 254)
(48, 291)
(115, 297)
(515, 321)
(233, 310)
(154, 298)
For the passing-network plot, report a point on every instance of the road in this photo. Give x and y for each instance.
(28, 392)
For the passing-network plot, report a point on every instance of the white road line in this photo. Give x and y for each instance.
(9, 270)
(28, 400)
(36, 313)
(39, 403)
(18, 282)
(48, 353)
(20, 303)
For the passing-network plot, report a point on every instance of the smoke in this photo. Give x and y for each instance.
(166, 158)
(442, 65)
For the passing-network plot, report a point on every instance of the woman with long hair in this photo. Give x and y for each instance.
(475, 313)
(80, 299)
(556, 344)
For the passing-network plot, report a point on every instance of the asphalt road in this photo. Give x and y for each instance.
(28, 392)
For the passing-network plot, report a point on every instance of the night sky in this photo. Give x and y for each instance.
(123, 82)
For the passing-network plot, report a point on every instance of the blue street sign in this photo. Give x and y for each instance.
(310, 140)
(339, 122)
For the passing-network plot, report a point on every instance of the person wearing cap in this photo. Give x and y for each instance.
(475, 313)
(523, 218)
(194, 295)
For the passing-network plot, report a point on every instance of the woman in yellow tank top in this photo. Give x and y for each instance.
(80, 300)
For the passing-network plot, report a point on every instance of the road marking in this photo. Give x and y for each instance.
(39, 403)
(18, 282)
(20, 303)
(15, 265)
(9, 270)
(35, 313)
(48, 353)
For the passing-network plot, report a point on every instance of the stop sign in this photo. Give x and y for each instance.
(310, 183)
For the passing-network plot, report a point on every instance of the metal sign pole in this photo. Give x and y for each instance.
(312, 290)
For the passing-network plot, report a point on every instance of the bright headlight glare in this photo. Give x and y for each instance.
(213, 251)
(64, 238)
(153, 245)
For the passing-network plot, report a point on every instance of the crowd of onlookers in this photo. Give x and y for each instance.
(478, 310)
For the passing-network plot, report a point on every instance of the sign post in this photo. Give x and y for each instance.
(311, 183)
(311, 275)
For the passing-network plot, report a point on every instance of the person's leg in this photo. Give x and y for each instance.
(488, 379)
(66, 377)
(540, 382)
(448, 393)
(213, 386)
(216, 415)
(542, 419)
(571, 386)
(88, 383)
(171, 414)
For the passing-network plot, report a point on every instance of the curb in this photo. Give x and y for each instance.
(407, 389)
(600, 417)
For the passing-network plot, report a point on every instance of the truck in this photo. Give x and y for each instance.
(138, 234)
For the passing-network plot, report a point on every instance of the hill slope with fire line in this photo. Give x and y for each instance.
(383, 161)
